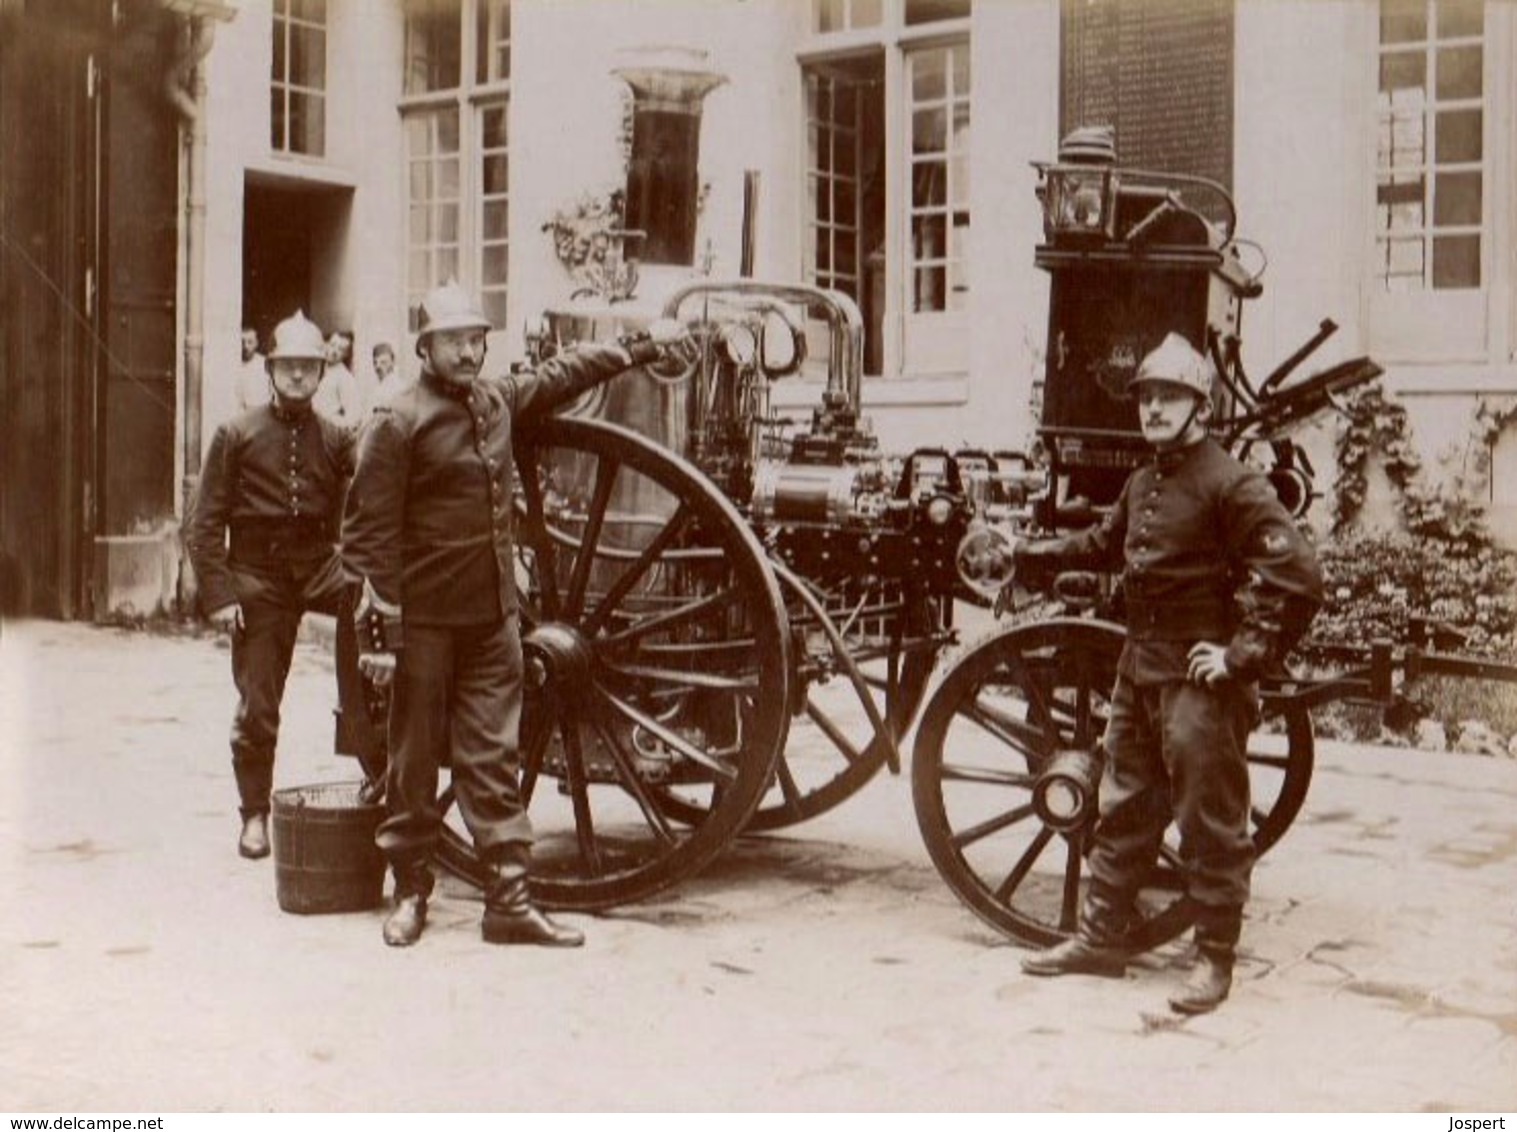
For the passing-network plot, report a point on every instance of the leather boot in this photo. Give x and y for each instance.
(510, 915)
(404, 924)
(254, 841)
(1097, 947)
(1210, 981)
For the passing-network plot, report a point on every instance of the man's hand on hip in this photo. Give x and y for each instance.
(1208, 664)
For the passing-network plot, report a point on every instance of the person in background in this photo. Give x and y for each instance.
(339, 398)
(251, 387)
(428, 534)
(262, 537)
(387, 382)
(1218, 585)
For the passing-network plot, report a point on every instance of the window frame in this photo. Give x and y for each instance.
(473, 99)
(283, 23)
(1428, 326)
(916, 346)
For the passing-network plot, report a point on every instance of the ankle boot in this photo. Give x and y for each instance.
(404, 924)
(1078, 956)
(1211, 980)
(1097, 948)
(254, 841)
(510, 915)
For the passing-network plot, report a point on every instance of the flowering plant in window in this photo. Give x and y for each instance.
(589, 238)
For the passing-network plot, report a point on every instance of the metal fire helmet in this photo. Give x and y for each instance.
(449, 307)
(1176, 362)
(298, 337)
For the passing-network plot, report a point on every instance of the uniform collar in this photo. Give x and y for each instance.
(1169, 459)
(450, 389)
(290, 414)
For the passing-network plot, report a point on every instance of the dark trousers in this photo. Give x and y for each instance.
(1178, 750)
(457, 702)
(274, 596)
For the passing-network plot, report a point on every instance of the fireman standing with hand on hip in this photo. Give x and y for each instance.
(428, 534)
(262, 536)
(1218, 584)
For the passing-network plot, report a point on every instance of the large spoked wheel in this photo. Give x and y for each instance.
(1005, 773)
(875, 640)
(657, 655)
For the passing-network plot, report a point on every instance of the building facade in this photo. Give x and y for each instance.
(357, 152)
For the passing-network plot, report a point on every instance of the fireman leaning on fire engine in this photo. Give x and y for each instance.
(428, 533)
(1218, 584)
(262, 536)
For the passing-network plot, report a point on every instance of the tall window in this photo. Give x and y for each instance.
(1429, 177)
(887, 87)
(298, 79)
(455, 106)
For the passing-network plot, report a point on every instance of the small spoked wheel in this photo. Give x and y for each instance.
(657, 654)
(1006, 770)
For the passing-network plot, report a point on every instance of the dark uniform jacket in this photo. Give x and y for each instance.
(428, 525)
(1207, 552)
(270, 493)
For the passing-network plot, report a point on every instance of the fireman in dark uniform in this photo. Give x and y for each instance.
(428, 533)
(1218, 584)
(262, 536)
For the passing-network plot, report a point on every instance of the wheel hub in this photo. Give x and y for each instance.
(558, 654)
(1065, 793)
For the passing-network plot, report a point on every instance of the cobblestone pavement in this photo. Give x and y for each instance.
(144, 966)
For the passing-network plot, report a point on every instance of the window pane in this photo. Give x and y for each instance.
(1402, 21)
(446, 266)
(1456, 199)
(844, 253)
(829, 15)
(1402, 140)
(1460, 18)
(494, 220)
(927, 290)
(1404, 257)
(493, 264)
(929, 131)
(929, 235)
(308, 124)
(1459, 135)
(1456, 262)
(447, 131)
(928, 185)
(277, 72)
(419, 229)
(926, 11)
(433, 45)
(493, 41)
(494, 171)
(1459, 72)
(276, 119)
(823, 249)
(961, 70)
(845, 202)
(1402, 70)
(493, 127)
(308, 57)
(929, 75)
(495, 308)
(313, 10)
(865, 13)
(445, 224)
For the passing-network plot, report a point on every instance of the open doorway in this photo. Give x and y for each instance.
(294, 252)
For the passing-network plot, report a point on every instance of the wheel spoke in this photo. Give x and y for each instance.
(1037, 703)
(535, 527)
(789, 788)
(579, 793)
(632, 782)
(1021, 737)
(684, 677)
(953, 772)
(1069, 906)
(692, 611)
(1275, 762)
(629, 577)
(605, 479)
(1017, 875)
(832, 731)
(992, 825)
(532, 759)
(672, 738)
